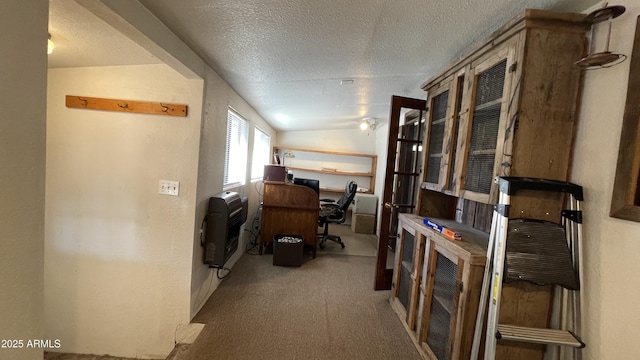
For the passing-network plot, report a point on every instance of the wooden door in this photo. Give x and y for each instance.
(409, 160)
(394, 171)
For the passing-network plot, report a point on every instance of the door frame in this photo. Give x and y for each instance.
(383, 276)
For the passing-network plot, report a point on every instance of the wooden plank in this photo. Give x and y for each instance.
(129, 106)
(429, 281)
(625, 199)
(547, 117)
(332, 172)
(451, 184)
(278, 147)
(421, 315)
(483, 218)
(455, 326)
(523, 303)
(473, 277)
(397, 261)
(418, 256)
(436, 204)
(469, 212)
(372, 181)
(464, 134)
(508, 113)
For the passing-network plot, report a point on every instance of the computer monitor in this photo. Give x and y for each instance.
(312, 183)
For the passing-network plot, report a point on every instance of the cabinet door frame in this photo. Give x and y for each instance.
(431, 258)
(507, 51)
(416, 275)
(457, 130)
(445, 85)
(418, 243)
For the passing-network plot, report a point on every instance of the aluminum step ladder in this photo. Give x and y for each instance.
(540, 252)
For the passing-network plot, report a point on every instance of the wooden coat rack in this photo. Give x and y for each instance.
(141, 107)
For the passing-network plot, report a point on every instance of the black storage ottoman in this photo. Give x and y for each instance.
(288, 250)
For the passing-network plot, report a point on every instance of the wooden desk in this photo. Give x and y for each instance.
(289, 209)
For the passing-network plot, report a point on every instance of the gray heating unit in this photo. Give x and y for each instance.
(226, 214)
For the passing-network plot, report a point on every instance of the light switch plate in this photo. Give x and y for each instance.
(168, 187)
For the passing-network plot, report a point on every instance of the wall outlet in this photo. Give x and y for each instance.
(167, 187)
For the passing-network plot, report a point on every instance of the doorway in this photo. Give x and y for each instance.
(402, 176)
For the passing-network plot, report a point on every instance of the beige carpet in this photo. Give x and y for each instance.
(326, 309)
(355, 244)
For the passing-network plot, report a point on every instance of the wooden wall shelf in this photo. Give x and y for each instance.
(336, 172)
(332, 168)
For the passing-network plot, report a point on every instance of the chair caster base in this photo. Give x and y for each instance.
(337, 240)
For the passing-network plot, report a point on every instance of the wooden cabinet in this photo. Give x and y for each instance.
(332, 168)
(506, 108)
(436, 286)
(289, 209)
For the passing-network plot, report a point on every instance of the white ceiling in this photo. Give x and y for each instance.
(287, 57)
(82, 39)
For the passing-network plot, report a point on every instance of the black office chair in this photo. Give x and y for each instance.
(335, 212)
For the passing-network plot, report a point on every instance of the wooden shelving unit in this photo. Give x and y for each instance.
(435, 287)
(506, 108)
(332, 168)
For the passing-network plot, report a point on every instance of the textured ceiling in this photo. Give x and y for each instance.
(287, 57)
(82, 39)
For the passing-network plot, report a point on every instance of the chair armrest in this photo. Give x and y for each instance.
(327, 200)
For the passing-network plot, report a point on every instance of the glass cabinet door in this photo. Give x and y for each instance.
(489, 108)
(403, 282)
(408, 275)
(445, 107)
(440, 315)
(437, 121)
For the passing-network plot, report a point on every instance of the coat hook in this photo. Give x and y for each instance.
(125, 106)
(84, 102)
(165, 108)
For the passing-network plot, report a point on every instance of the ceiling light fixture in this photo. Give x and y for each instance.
(605, 58)
(369, 124)
(50, 45)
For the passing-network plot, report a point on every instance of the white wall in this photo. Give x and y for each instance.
(612, 247)
(354, 140)
(382, 142)
(218, 97)
(137, 23)
(117, 253)
(23, 79)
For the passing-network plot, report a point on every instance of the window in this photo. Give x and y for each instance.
(261, 153)
(235, 161)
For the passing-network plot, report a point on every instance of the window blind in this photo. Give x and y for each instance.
(261, 153)
(235, 161)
